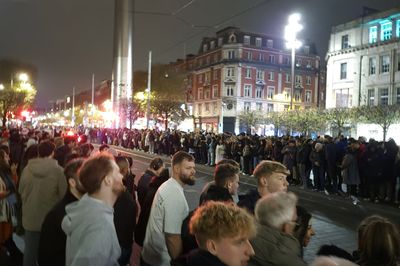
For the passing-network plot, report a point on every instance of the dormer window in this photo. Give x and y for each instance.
(258, 42)
(232, 38)
(270, 43)
(246, 40)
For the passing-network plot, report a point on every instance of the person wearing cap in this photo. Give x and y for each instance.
(271, 178)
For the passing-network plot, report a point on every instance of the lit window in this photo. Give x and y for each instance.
(371, 97)
(385, 63)
(287, 93)
(372, 66)
(373, 34)
(287, 78)
(386, 31)
(247, 106)
(247, 90)
(384, 96)
(343, 70)
(270, 107)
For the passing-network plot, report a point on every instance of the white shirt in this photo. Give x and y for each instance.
(168, 210)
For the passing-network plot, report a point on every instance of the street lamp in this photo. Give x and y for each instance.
(291, 31)
(2, 87)
(23, 77)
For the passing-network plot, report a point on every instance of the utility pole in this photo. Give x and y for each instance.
(148, 91)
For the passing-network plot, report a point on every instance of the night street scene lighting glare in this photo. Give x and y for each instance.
(291, 31)
(23, 77)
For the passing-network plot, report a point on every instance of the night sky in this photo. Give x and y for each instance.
(68, 40)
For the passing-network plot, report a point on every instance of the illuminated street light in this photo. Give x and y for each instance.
(23, 77)
(291, 31)
(1, 87)
(107, 105)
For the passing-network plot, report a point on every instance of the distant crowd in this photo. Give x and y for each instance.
(77, 205)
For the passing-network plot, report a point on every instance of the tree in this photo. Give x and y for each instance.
(249, 118)
(277, 119)
(15, 94)
(307, 120)
(340, 117)
(167, 91)
(382, 115)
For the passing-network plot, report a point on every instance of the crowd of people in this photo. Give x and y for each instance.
(355, 168)
(78, 205)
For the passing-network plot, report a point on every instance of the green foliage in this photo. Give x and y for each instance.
(339, 118)
(305, 121)
(277, 119)
(249, 118)
(382, 115)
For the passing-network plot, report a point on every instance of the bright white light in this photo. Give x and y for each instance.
(291, 31)
(1, 87)
(23, 77)
(294, 18)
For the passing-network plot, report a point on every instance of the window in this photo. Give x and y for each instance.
(371, 97)
(398, 28)
(398, 61)
(258, 42)
(343, 98)
(386, 31)
(309, 64)
(248, 73)
(372, 66)
(215, 91)
(220, 41)
(215, 74)
(229, 90)
(215, 57)
(215, 106)
(286, 107)
(308, 96)
(343, 70)
(345, 41)
(298, 62)
(270, 43)
(270, 92)
(204, 47)
(271, 76)
(207, 77)
(307, 49)
(247, 90)
(260, 57)
(260, 75)
(231, 54)
(200, 78)
(249, 56)
(230, 72)
(398, 95)
(297, 96)
(207, 107)
(259, 91)
(287, 78)
(373, 34)
(200, 94)
(299, 80)
(247, 106)
(246, 40)
(259, 106)
(385, 63)
(308, 80)
(200, 62)
(287, 60)
(270, 107)
(287, 93)
(199, 108)
(271, 59)
(212, 45)
(207, 94)
(384, 96)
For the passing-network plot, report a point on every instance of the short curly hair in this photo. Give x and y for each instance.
(216, 220)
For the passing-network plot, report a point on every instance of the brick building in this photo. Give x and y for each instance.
(236, 71)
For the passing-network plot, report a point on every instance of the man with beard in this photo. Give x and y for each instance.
(52, 237)
(88, 224)
(163, 233)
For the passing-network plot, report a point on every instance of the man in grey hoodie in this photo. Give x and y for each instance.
(88, 224)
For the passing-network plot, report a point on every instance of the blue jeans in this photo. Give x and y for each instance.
(32, 240)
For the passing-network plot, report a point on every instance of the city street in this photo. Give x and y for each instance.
(335, 219)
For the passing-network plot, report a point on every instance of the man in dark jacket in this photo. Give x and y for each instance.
(155, 168)
(52, 238)
(62, 152)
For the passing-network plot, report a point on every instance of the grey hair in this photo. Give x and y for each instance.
(276, 209)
